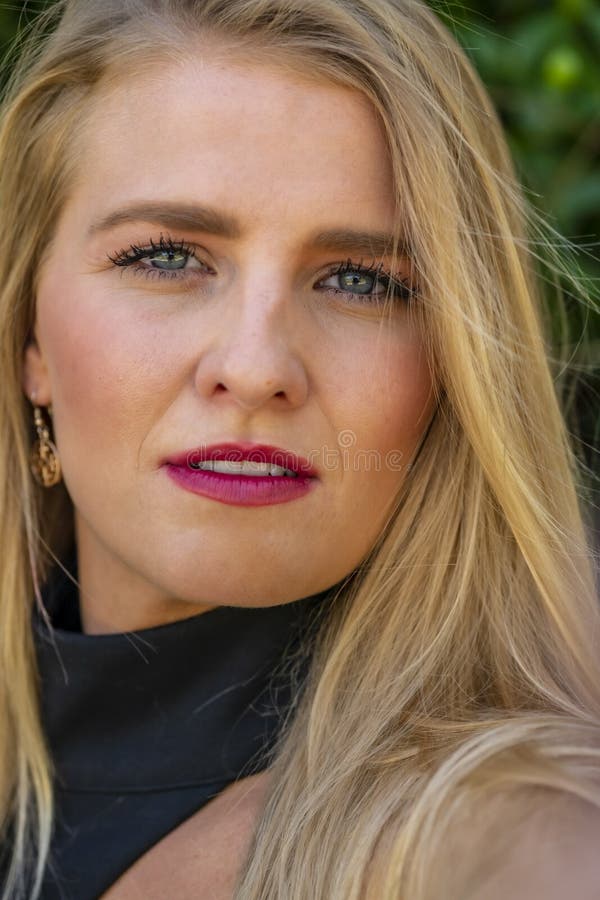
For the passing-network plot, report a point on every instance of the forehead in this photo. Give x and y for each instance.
(258, 137)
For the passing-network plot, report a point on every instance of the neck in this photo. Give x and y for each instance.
(113, 598)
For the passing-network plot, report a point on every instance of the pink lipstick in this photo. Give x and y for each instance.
(242, 474)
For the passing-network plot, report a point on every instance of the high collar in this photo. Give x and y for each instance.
(188, 703)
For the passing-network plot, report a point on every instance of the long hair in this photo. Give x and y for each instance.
(463, 649)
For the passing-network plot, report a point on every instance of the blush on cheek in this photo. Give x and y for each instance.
(89, 375)
(82, 369)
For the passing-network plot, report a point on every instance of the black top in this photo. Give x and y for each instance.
(145, 727)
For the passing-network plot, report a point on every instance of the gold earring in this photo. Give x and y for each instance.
(43, 459)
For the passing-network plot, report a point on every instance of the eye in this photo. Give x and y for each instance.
(368, 284)
(167, 259)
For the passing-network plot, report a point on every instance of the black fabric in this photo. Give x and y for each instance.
(145, 727)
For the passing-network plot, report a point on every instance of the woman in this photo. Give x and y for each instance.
(291, 227)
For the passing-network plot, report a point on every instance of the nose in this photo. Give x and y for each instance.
(255, 357)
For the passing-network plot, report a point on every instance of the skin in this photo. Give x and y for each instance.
(261, 346)
(524, 843)
(202, 857)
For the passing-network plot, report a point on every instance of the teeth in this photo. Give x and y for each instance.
(243, 467)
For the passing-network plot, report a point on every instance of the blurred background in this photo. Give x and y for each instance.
(540, 60)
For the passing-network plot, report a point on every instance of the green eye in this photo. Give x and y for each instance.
(359, 282)
(167, 259)
(368, 284)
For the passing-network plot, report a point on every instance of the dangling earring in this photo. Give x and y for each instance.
(43, 459)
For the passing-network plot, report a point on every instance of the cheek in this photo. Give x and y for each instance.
(386, 398)
(385, 401)
(407, 399)
(106, 373)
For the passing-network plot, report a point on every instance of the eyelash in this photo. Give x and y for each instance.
(399, 288)
(135, 253)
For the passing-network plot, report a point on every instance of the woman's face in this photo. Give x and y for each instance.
(204, 287)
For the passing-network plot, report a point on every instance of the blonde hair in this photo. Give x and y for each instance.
(463, 650)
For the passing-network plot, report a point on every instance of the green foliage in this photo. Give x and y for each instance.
(16, 15)
(541, 64)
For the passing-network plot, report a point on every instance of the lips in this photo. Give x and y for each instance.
(236, 452)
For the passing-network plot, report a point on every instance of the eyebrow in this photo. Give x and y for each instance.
(192, 217)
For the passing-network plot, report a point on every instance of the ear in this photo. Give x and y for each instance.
(35, 372)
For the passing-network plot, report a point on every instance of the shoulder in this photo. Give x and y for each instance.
(202, 857)
(550, 853)
(530, 844)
